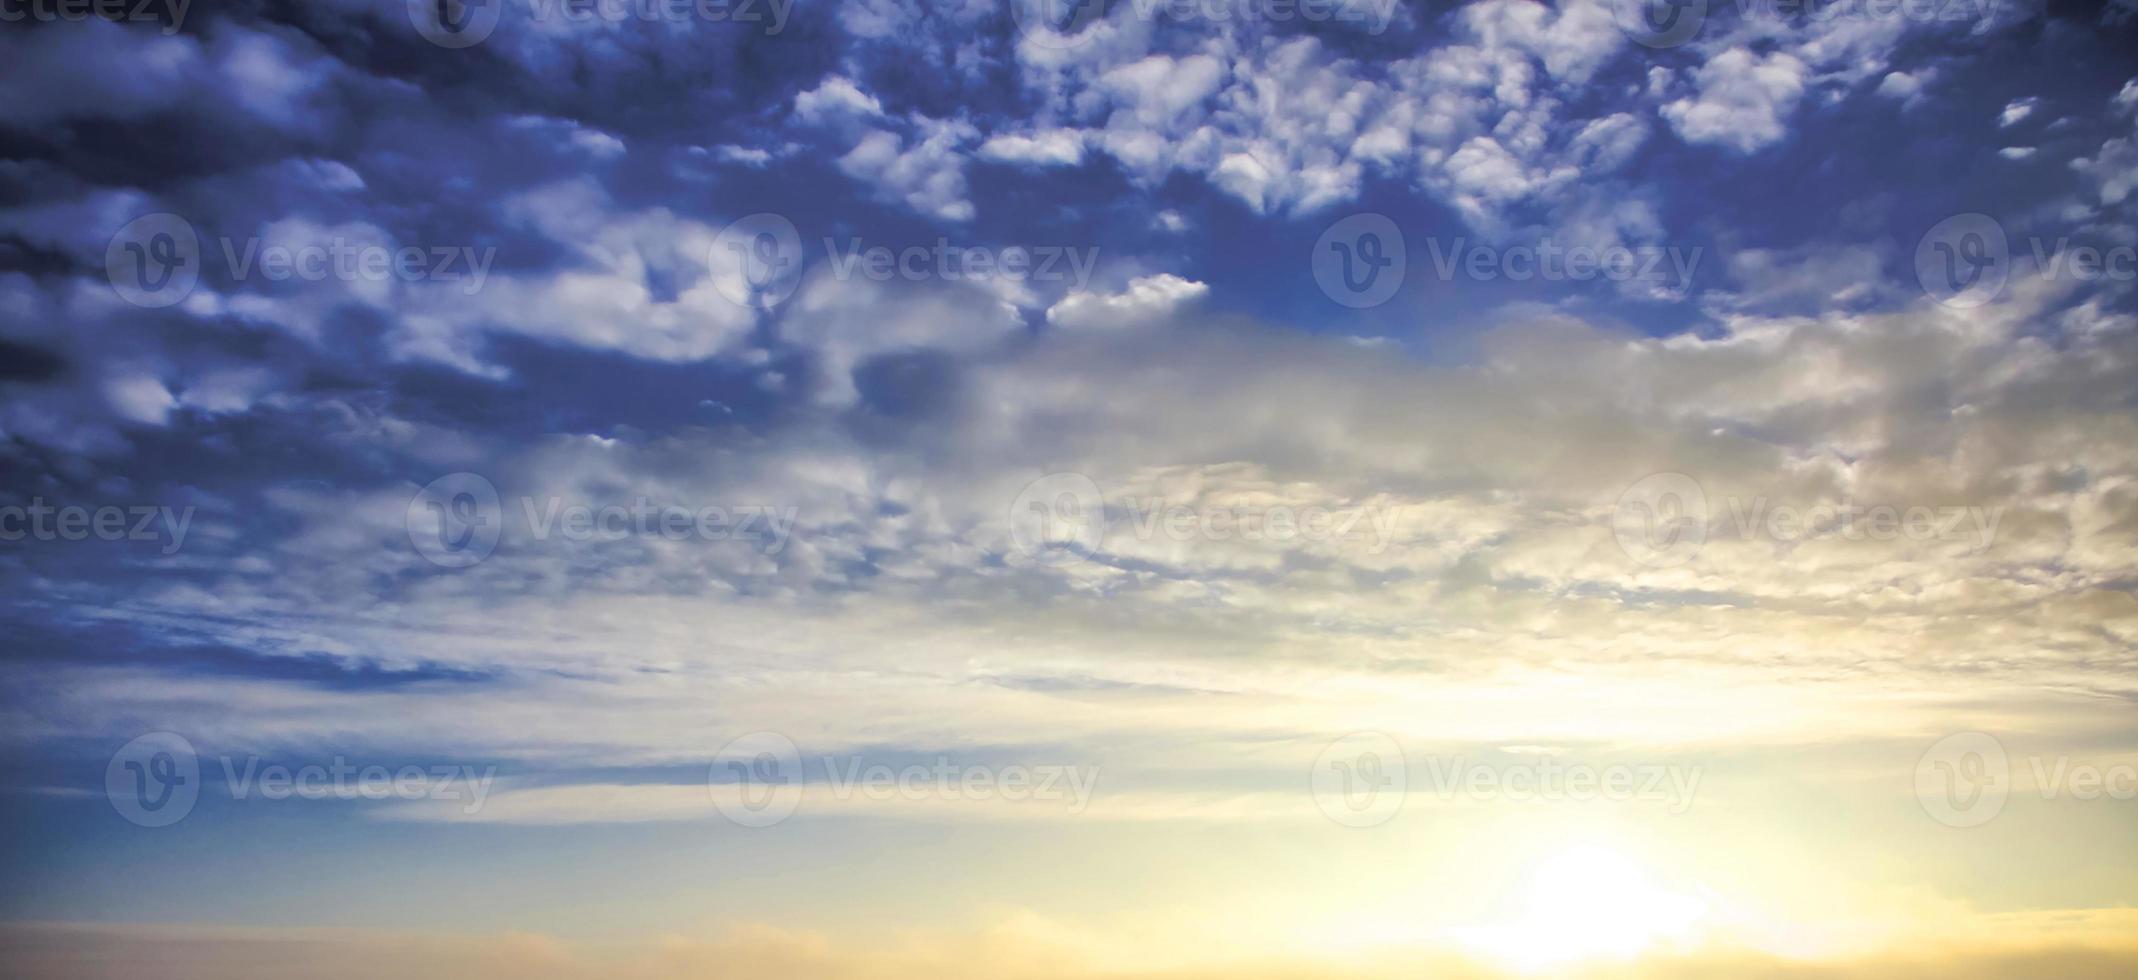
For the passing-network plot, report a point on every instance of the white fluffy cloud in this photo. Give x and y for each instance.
(926, 173)
(1053, 147)
(2016, 111)
(1146, 299)
(1742, 100)
(835, 96)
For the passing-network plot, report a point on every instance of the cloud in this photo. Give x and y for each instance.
(927, 175)
(1471, 494)
(833, 97)
(748, 156)
(1605, 145)
(1571, 41)
(1815, 277)
(1906, 86)
(1313, 520)
(1054, 147)
(272, 78)
(1146, 299)
(140, 398)
(2113, 170)
(2015, 111)
(604, 298)
(849, 320)
(1742, 102)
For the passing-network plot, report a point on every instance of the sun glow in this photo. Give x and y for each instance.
(1587, 902)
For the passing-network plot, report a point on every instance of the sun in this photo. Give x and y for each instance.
(1583, 903)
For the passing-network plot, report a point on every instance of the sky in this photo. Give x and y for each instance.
(1161, 489)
